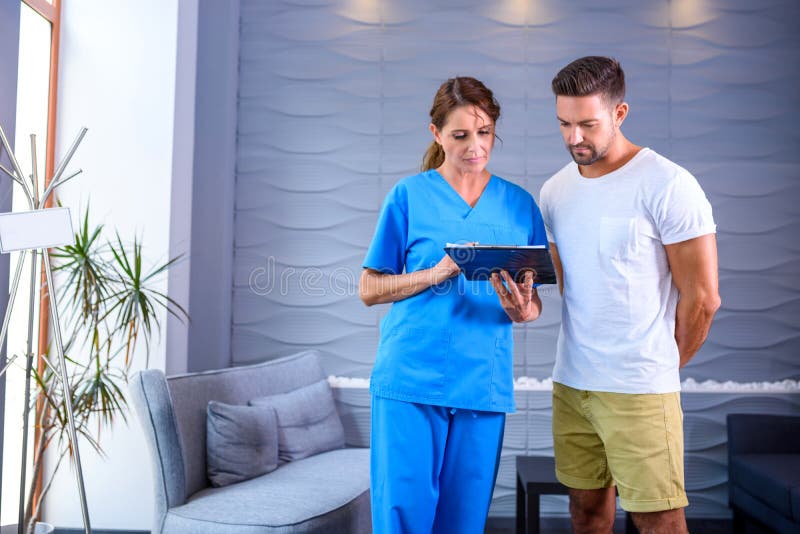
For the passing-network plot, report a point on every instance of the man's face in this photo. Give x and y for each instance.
(588, 126)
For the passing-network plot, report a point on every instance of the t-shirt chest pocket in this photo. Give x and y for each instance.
(617, 238)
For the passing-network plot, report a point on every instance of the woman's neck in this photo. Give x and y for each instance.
(468, 185)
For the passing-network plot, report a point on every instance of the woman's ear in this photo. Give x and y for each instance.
(435, 131)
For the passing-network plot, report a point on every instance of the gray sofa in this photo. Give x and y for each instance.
(327, 492)
(764, 471)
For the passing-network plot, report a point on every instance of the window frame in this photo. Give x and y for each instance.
(51, 13)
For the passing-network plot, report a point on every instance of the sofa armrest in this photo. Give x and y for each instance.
(760, 434)
(153, 405)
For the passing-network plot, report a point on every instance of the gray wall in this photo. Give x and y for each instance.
(332, 111)
(333, 104)
(9, 54)
(201, 225)
(212, 195)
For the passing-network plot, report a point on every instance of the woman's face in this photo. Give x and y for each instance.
(467, 138)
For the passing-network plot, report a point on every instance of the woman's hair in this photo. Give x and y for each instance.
(456, 92)
(592, 75)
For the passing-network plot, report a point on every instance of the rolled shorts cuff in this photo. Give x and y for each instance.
(582, 483)
(654, 505)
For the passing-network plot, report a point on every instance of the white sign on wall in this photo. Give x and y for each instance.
(36, 229)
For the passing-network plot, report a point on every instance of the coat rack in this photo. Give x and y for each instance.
(33, 232)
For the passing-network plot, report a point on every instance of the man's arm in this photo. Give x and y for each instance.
(694, 270)
(557, 264)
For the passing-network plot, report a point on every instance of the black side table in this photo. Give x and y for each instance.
(536, 475)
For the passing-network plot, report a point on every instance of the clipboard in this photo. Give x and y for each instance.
(478, 262)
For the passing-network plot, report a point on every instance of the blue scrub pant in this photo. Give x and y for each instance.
(433, 468)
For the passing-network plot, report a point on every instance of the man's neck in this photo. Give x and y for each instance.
(620, 153)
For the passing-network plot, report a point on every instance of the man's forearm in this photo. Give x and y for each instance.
(692, 323)
(694, 272)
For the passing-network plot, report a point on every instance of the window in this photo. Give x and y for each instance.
(35, 114)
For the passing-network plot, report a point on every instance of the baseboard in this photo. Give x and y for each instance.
(548, 524)
(12, 529)
(562, 524)
(509, 523)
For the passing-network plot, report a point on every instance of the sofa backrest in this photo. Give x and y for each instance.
(750, 433)
(191, 392)
(172, 412)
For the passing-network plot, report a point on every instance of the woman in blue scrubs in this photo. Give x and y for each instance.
(443, 381)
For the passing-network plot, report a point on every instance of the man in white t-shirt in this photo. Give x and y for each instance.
(632, 239)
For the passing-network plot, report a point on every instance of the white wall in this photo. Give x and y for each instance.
(118, 78)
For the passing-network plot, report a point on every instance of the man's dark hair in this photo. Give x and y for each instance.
(592, 75)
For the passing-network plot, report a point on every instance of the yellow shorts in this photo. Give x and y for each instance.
(632, 440)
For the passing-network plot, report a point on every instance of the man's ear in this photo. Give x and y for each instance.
(620, 113)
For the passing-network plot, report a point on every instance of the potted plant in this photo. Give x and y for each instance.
(109, 305)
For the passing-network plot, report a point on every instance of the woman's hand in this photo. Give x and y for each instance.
(446, 268)
(520, 300)
(381, 288)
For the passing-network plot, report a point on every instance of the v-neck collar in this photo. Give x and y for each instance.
(464, 204)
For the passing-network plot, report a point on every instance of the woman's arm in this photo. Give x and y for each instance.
(380, 288)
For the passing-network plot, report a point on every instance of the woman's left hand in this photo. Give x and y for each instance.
(520, 300)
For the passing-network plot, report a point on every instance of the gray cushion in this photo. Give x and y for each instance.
(241, 442)
(190, 394)
(308, 423)
(328, 492)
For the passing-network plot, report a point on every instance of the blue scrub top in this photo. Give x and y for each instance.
(451, 344)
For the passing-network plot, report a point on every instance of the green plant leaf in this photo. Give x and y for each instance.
(110, 302)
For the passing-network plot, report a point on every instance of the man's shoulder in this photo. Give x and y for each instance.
(659, 168)
(563, 172)
(559, 177)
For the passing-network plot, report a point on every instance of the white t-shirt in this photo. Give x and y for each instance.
(618, 315)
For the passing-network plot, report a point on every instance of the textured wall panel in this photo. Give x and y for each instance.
(528, 432)
(333, 102)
